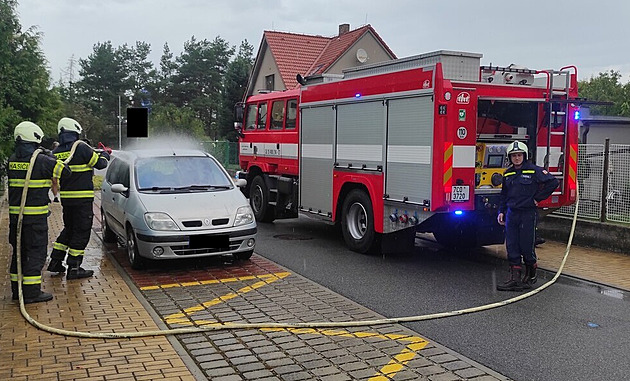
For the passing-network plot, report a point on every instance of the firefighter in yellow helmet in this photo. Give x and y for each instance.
(524, 186)
(77, 196)
(34, 238)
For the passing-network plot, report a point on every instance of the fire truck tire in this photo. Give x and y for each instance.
(357, 225)
(259, 200)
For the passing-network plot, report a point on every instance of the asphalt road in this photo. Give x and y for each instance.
(574, 330)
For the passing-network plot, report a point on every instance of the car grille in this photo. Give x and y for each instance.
(198, 223)
(187, 250)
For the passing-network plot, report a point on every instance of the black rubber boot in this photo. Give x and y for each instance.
(514, 282)
(79, 272)
(55, 266)
(34, 294)
(530, 277)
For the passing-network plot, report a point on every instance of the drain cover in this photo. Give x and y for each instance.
(293, 237)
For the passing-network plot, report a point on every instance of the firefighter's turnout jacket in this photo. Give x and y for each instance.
(34, 240)
(77, 195)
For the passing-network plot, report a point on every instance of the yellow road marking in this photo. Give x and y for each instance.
(387, 372)
(184, 317)
(212, 281)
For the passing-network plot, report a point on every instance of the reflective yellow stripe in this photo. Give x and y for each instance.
(77, 194)
(80, 168)
(509, 174)
(37, 279)
(75, 252)
(29, 210)
(32, 279)
(62, 155)
(58, 169)
(529, 171)
(18, 166)
(93, 159)
(60, 246)
(19, 183)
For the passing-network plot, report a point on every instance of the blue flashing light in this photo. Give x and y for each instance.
(357, 95)
(458, 212)
(576, 115)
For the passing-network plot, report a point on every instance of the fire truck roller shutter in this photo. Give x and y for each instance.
(409, 139)
(361, 135)
(317, 134)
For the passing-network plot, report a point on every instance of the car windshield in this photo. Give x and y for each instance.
(180, 173)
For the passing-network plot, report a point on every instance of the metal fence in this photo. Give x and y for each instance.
(603, 177)
(224, 151)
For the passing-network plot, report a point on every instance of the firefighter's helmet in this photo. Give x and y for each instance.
(69, 125)
(518, 147)
(28, 132)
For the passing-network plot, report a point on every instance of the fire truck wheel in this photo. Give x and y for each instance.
(259, 199)
(357, 223)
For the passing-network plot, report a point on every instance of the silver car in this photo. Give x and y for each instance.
(175, 203)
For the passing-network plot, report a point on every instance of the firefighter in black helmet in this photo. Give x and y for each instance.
(77, 196)
(524, 186)
(34, 238)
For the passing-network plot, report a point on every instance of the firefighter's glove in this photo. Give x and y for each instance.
(105, 149)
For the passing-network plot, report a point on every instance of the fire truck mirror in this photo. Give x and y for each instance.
(238, 112)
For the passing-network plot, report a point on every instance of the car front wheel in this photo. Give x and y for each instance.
(137, 262)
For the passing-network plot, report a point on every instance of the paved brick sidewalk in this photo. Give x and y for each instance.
(102, 303)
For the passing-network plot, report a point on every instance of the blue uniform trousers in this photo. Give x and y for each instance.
(520, 236)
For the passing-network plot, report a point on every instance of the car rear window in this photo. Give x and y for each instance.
(180, 173)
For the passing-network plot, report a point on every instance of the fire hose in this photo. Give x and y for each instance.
(229, 326)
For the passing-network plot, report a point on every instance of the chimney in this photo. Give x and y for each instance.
(344, 28)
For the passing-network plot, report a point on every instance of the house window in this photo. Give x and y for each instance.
(269, 81)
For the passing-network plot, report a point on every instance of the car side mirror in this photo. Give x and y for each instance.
(241, 183)
(119, 188)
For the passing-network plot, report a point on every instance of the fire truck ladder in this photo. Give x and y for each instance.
(558, 102)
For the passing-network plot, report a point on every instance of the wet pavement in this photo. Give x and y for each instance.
(119, 299)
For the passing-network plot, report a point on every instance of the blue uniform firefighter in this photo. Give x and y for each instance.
(524, 186)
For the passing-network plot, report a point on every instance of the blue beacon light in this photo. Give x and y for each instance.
(357, 95)
(458, 212)
(576, 115)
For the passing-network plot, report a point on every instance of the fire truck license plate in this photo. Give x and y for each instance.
(460, 193)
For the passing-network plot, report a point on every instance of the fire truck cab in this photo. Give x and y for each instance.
(417, 144)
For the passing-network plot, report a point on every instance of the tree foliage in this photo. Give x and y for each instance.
(607, 87)
(24, 80)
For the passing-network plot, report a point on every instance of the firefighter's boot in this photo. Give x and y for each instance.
(530, 275)
(514, 282)
(78, 273)
(34, 294)
(55, 266)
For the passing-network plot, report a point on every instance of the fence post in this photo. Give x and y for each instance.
(605, 181)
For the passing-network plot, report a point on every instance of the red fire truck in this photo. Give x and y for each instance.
(416, 144)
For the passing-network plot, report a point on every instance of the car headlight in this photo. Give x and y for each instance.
(160, 221)
(244, 216)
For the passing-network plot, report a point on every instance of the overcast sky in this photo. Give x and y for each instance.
(539, 34)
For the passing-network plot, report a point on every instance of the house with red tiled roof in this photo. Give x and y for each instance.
(281, 56)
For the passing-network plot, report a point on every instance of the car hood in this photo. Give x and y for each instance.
(202, 206)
